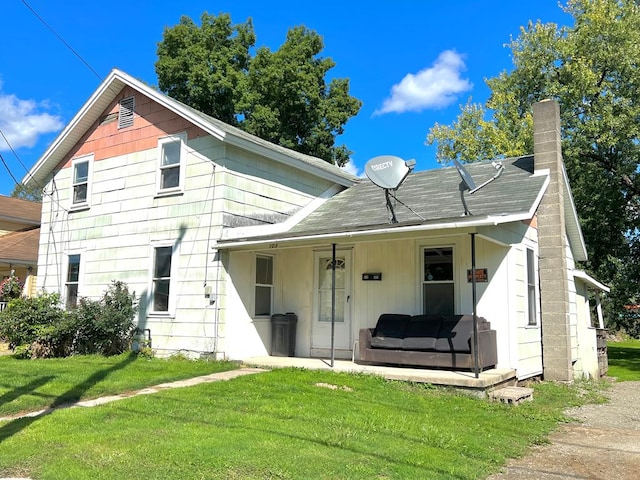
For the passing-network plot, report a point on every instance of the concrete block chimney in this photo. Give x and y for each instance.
(554, 283)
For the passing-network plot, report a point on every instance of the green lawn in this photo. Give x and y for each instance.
(282, 424)
(624, 360)
(27, 385)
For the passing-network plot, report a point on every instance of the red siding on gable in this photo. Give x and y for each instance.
(151, 122)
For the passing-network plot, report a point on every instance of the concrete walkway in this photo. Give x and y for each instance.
(213, 377)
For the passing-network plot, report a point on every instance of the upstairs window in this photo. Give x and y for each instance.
(81, 181)
(125, 112)
(171, 166)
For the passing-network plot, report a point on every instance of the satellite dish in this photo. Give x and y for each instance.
(467, 179)
(387, 171)
(469, 184)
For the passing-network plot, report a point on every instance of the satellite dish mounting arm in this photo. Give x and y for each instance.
(498, 166)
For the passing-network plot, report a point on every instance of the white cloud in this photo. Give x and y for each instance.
(351, 168)
(23, 121)
(433, 87)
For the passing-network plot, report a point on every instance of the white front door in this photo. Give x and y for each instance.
(321, 332)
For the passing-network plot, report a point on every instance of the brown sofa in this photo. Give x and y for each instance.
(428, 341)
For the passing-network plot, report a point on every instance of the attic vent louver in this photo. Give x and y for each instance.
(125, 115)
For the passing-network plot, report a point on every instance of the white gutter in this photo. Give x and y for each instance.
(275, 242)
(584, 276)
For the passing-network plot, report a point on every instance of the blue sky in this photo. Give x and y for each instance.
(411, 63)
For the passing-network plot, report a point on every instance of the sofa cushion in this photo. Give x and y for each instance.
(422, 332)
(455, 334)
(389, 331)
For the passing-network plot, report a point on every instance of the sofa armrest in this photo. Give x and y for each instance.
(366, 334)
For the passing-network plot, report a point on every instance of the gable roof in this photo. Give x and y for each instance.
(20, 247)
(109, 90)
(432, 200)
(20, 211)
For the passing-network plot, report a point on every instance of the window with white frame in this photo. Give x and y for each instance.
(438, 281)
(171, 164)
(531, 289)
(161, 280)
(81, 181)
(263, 285)
(73, 280)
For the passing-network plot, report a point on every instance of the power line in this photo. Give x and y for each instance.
(13, 151)
(8, 170)
(61, 39)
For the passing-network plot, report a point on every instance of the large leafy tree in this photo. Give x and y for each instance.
(280, 96)
(591, 69)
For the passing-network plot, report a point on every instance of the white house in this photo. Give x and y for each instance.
(217, 230)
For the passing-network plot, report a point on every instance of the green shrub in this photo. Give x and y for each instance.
(106, 326)
(26, 320)
(39, 328)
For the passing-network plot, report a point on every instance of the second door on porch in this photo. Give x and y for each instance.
(321, 331)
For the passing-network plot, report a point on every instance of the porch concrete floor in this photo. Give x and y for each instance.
(487, 380)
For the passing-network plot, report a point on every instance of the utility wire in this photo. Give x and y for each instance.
(13, 151)
(61, 39)
(8, 170)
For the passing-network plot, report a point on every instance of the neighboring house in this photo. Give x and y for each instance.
(19, 236)
(217, 230)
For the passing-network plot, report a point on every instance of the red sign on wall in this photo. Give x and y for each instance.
(481, 275)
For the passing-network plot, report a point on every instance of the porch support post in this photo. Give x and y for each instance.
(333, 301)
(476, 360)
(599, 310)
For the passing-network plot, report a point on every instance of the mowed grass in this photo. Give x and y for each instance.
(284, 424)
(624, 360)
(28, 385)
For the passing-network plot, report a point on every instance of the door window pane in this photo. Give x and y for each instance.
(438, 281)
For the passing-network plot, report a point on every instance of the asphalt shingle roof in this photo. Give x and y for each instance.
(18, 210)
(20, 247)
(434, 195)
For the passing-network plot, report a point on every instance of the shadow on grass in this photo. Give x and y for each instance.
(624, 357)
(65, 399)
(28, 389)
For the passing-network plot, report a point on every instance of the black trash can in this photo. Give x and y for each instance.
(283, 334)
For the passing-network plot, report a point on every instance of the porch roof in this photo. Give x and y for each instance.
(21, 211)
(20, 247)
(431, 201)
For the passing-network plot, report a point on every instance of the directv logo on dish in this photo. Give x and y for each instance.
(381, 166)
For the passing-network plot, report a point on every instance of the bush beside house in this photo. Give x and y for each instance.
(39, 328)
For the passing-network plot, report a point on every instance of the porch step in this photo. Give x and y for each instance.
(512, 395)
